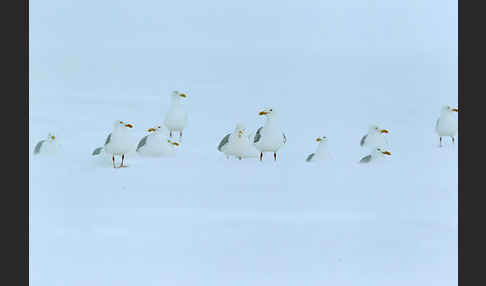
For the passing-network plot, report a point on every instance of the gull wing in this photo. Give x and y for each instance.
(97, 151)
(38, 147)
(310, 157)
(363, 140)
(142, 142)
(224, 142)
(108, 139)
(258, 135)
(366, 159)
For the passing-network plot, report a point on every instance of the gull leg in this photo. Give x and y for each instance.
(274, 156)
(180, 135)
(440, 144)
(261, 156)
(452, 139)
(113, 159)
(123, 157)
(170, 133)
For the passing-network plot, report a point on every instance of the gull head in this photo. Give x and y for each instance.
(446, 109)
(51, 137)
(322, 139)
(240, 129)
(376, 129)
(381, 153)
(173, 142)
(177, 95)
(156, 129)
(118, 124)
(268, 112)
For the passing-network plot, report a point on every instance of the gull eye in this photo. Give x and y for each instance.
(158, 126)
(271, 109)
(121, 122)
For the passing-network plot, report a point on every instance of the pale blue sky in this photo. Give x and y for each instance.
(120, 44)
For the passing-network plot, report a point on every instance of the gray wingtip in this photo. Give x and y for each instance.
(38, 147)
(97, 151)
(361, 143)
(257, 136)
(223, 142)
(309, 158)
(142, 142)
(365, 159)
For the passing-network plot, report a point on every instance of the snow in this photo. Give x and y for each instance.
(200, 219)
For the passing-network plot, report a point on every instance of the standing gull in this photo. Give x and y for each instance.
(118, 142)
(446, 125)
(374, 138)
(156, 144)
(48, 146)
(377, 154)
(270, 137)
(176, 117)
(321, 151)
(238, 144)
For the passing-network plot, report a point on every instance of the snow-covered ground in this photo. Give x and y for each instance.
(200, 219)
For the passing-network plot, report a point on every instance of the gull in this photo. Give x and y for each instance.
(374, 138)
(156, 144)
(47, 146)
(377, 154)
(118, 142)
(176, 117)
(238, 144)
(270, 137)
(446, 125)
(321, 151)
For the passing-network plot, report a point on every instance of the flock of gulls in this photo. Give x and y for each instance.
(239, 144)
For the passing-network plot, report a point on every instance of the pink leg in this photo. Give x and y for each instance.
(123, 157)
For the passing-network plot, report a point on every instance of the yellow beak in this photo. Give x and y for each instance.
(262, 113)
(384, 131)
(175, 143)
(386, 153)
(53, 137)
(455, 110)
(128, 125)
(319, 139)
(151, 130)
(183, 95)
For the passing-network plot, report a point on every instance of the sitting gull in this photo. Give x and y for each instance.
(374, 138)
(377, 154)
(270, 137)
(238, 144)
(48, 146)
(321, 151)
(446, 125)
(118, 142)
(176, 117)
(156, 144)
